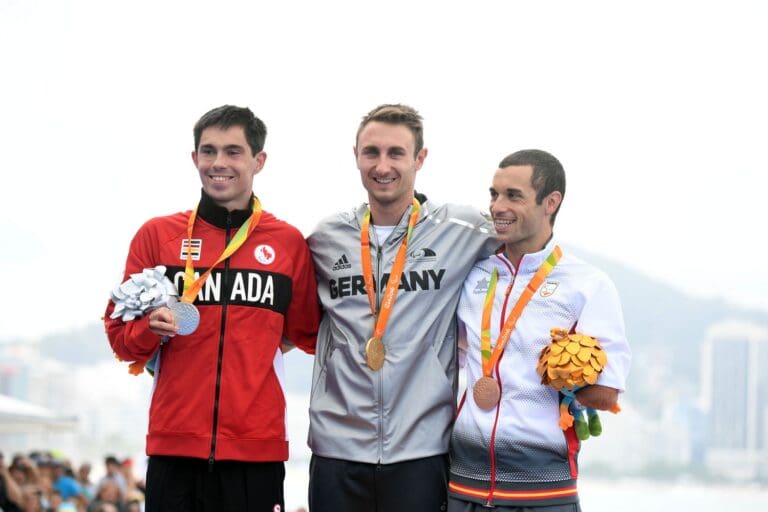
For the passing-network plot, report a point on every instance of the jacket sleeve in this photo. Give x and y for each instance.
(463, 344)
(133, 341)
(602, 318)
(303, 315)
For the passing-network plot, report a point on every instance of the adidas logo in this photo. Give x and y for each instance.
(341, 264)
(482, 286)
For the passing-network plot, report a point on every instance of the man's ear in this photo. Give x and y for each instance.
(552, 202)
(420, 157)
(261, 158)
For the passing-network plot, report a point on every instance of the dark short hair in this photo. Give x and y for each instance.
(227, 116)
(548, 173)
(397, 113)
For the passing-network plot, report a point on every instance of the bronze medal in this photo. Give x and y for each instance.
(374, 353)
(486, 393)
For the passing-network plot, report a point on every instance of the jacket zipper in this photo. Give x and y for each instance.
(224, 301)
(492, 447)
(379, 378)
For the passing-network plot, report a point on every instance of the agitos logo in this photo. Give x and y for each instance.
(411, 281)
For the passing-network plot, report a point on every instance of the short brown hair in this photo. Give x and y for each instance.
(548, 173)
(227, 116)
(396, 113)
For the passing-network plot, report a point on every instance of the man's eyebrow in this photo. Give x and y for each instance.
(228, 147)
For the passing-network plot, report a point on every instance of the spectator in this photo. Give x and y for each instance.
(133, 505)
(133, 488)
(108, 493)
(64, 481)
(87, 487)
(34, 499)
(55, 500)
(114, 473)
(24, 470)
(11, 496)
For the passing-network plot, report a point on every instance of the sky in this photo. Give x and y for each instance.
(656, 109)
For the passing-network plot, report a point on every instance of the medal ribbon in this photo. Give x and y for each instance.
(191, 285)
(491, 358)
(388, 301)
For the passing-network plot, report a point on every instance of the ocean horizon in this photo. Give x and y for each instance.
(603, 495)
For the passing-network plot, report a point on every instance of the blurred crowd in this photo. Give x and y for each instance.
(45, 482)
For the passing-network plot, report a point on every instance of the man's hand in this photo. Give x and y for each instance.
(162, 322)
(598, 397)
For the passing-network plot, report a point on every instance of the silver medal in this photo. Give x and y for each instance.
(187, 317)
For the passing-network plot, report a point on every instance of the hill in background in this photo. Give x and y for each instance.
(665, 327)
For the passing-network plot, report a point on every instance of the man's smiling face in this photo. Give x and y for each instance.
(388, 163)
(227, 166)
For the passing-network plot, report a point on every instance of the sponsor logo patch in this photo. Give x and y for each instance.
(342, 264)
(195, 246)
(482, 286)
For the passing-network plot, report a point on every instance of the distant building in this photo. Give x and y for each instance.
(735, 380)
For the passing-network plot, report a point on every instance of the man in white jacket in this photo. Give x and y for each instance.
(507, 447)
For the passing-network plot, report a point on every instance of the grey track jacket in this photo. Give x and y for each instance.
(405, 410)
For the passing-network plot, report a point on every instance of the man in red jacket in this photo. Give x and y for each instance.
(217, 437)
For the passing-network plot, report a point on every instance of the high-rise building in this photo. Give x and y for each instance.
(735, 380)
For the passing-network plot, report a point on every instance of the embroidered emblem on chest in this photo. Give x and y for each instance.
(195, 246)
(548, 288)
(264, 254)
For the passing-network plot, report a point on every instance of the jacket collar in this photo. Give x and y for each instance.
(533, 260)
(402, 224)
(217, 215)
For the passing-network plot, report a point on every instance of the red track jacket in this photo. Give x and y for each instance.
(218, 392)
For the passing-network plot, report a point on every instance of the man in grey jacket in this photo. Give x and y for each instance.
(389, 274)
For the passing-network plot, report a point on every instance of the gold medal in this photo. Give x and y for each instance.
(486, 393)
(374, 353)
(374, 347)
